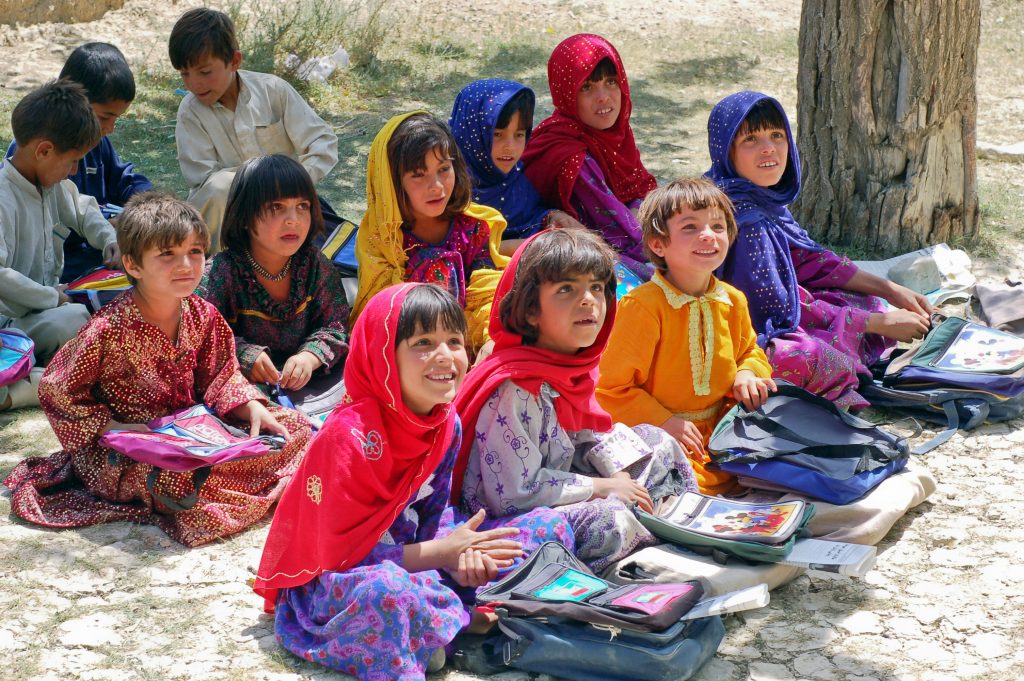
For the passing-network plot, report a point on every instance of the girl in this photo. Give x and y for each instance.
(491, 122)
(815, 313)
(420, 224)
(371, 591)
(683, 350)
(155, 349)
(538, 436)
(283, 299)
(583, 158)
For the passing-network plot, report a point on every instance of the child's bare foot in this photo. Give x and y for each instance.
(480, 622)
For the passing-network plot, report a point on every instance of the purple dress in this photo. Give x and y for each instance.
(380, 621)
(450, 263)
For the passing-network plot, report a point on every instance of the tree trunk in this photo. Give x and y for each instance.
(887, 113)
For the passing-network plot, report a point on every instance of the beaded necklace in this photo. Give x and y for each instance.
(261, 271)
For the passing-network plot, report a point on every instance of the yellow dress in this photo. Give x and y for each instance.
(671, 354)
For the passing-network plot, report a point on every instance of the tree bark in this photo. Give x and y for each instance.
(887, 115)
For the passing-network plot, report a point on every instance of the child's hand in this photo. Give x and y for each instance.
(686, 433)
(900, 325)
(259, 418)
(117, 425)
(628, 490)
(112, 257)
(906, 299)
(751, 391)
(490, 543)
(477, 568)
(62, 298)
(298, 369)
(264, 371)
(485, 350)
(558, 218)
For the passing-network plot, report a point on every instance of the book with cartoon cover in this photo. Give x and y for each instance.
(767, 523)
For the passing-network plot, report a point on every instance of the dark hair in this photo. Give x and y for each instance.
(157, 220)
(59, 112)
(694, 193)
(554, 255)
(604, 69)
(103, 71)
(762, 116)
(426, 306)
(258, 182)
(523, 103)
(200, 32)
(408, 147)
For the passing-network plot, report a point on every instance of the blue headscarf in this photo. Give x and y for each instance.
(759, 262)
(474, 117)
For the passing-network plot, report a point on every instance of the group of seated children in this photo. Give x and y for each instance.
(570, 417)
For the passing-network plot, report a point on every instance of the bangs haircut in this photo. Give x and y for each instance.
(762, 116)
(103, 71)
(58, 112)
(201, 32)
(259, 182)
(425, 308)
(686, 193)
(604, 69)
(414, 138)
(523, 103)
(555, 255)
(157, 220)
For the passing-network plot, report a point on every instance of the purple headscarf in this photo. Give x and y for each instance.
(759, 262)
(474, 117)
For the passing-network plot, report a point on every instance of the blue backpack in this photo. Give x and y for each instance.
(961, 375)
(17, 356)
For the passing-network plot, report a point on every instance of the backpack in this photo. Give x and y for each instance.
(96, 288)
(340, 248)
(962, 374)
(556, 616)
(17, 356)
(800, 442)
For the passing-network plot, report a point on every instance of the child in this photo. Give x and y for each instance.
(583, 158)
(371, 591)
(491, 122)
(104, 73)
(419, 223)
(815, 313)
(153, 350)
(232, 115)
(683, 345)
(283, 299)
(54, 127)
(537, 435)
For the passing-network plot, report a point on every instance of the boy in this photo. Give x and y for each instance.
(154, 350)
(104, 73)
(54, 127)
(683, 347)
(230, 115)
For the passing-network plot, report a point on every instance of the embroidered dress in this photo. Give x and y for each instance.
(313, 318)
(122, 368)
(671, 354)
(813, 331)
(336, 581)
(381, 243)
(474, 117)
(451, 263)
(599, 193)
(539, 437)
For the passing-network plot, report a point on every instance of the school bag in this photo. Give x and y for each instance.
(340, 247)
(762, 532)
(316, 400)
(961, 375)
(17, 355)
(800, 442)
(97, 287)
(555, 616)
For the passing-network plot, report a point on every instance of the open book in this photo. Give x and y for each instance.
(768, 523)
(853, 560)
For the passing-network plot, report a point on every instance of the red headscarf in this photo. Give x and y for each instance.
(363, 466)
(556, 150)
(574, 377)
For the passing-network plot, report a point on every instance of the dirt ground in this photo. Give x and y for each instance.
(946, 600)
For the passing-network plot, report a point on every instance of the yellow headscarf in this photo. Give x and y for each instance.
(379, 241)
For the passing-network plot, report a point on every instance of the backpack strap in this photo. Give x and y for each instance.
(199, 476)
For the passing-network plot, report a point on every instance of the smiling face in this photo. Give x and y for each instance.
(281, 228)
(108, 113)
(571, 315)
(431, 366)
(428, 189)
(509, 143)
(172, 272)
(599, 102)
(211, 79)
(760, 156)
(697, 243)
